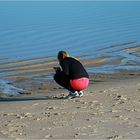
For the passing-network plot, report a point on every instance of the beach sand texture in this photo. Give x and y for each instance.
(110, 109)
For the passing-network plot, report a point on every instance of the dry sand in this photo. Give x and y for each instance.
(110, 109)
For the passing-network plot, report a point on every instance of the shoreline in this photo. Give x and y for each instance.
(109, 109)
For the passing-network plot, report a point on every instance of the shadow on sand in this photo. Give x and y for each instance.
(16, 99)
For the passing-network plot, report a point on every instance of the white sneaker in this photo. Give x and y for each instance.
(72, 95)
(81, 94)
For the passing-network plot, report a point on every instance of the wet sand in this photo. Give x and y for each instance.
(110, 109)
(110, 59)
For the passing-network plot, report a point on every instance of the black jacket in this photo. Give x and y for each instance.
(73, 68)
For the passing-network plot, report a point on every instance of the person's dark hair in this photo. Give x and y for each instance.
(62, 55)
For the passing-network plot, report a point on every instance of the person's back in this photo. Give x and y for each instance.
(73, 68)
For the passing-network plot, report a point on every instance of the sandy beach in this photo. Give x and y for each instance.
(109, 109)
(103, 35)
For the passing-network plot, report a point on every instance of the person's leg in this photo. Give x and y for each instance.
(63, 81)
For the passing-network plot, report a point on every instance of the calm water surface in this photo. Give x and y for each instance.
(31, 34)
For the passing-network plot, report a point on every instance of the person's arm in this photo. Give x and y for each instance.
(65, 67)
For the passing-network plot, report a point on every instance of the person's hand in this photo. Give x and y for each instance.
(57, 69)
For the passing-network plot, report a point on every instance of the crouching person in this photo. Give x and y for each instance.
(71, 75)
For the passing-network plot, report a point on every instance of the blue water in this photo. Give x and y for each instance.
(32, 32)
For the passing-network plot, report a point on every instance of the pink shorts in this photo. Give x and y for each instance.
(80, 83)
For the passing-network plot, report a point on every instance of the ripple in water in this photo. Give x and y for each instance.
(105, 36)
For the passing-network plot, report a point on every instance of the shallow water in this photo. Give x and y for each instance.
(6, 88)
(31, 34)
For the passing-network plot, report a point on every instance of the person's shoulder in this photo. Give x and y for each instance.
(72, 59)
(68, 59)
